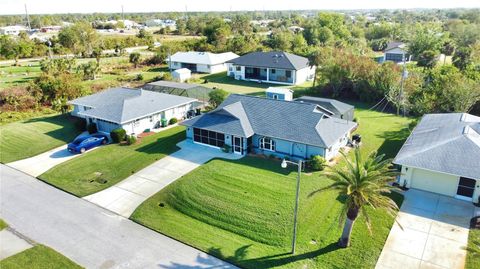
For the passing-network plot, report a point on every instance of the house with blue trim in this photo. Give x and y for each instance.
(282, 128)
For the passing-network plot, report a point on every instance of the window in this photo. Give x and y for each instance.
(275, 96)
(288, 73)
(151, 118)
(267, 144)
(239, 68)
(273, 71)
(208, 137)
(229, 68)
(136, 123)
(394, 57)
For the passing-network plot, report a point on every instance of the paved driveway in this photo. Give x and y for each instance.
(87, 234)
(434, 235)
(124, 197)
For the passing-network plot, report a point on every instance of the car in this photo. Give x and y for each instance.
(82, 144)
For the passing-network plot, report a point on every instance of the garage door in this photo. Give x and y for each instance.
(434, 182)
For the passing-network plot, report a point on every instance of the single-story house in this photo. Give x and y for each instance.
(12, 30)
(332, 107)
(134, 110)
(279, 93)
(273, 127)
(181, 89)
(396, 52)
(272, 67)
(181, 74)
(442, 155)
(200, 62)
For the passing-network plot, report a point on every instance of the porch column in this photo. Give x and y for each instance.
(268, 72)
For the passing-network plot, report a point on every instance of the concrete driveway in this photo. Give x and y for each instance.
(43, 162)
(434, 235)
(87, 234)
(124, 197)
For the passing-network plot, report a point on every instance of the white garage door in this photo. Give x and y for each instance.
(434, 182)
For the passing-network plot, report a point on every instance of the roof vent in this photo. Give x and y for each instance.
(464, 116)
(466, 130)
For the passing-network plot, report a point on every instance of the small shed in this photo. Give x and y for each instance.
(279, 94)
(181, 74)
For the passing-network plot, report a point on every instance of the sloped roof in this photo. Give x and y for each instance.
(122, 105)
(272, 59)
(332, 105)
(393, 45)
(182, 89)
(244, 115)
(195, 57)
(448, 143)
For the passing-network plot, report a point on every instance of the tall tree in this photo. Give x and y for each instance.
(134, 58)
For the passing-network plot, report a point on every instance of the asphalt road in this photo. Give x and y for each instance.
(86, 233)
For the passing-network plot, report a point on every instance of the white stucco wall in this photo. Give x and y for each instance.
(335, 148)
(304, 75)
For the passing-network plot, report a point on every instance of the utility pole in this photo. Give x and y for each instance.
(28, 18)
(123, 15)
(186, 11)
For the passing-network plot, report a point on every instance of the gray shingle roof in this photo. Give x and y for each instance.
(393, 45)
(448, 143)
(272, 59)
(122, 105)
(181, 89)
(332, 105)
(245, 115)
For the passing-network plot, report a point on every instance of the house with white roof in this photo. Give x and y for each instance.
(12, 30)
(134, 110)
(442, 155)
(396, 52)
(201, 62)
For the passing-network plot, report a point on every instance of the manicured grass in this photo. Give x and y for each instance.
(3, 224)
(473, 250)
(241, 211)
(222, 81)
(104, 167)
(28, 138)
(16, 75)
(38, 257)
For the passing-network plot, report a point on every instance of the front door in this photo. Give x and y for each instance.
(237, 144)
(466, 187)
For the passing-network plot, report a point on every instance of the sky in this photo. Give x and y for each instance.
(110, 6)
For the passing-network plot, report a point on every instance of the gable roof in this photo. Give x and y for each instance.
(448, 143)
(121, 105)
(195, 57)
(182, 89)
(332, 105)
(394, 45)
(272, 59)
(244, 115)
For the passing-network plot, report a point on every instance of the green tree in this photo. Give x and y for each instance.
(424, 39)
(80, 38)
(364, 183)
(216, 97)
(134, 58)
(427, 59)
(89, 70)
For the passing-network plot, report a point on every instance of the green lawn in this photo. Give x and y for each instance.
(110, 164)
(222, 81)
(473, 251)
(28, 138)
(38, 257)
(15, 75)
(241, 211)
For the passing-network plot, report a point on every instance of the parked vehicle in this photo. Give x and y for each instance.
(82, 144)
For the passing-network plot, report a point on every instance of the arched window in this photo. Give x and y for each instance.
(267, 144)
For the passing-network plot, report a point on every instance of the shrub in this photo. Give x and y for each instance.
(154, 60)
(139, 77)
(172, 121)
(131, 139)
(118, 135)
(92, 128)
(227, 148)
(167, 76)
(317, 163)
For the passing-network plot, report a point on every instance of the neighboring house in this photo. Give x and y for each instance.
(161, 23)
(131, 109)
(279, 94)
(182, 89)
(181, 74)
(396, 52)
(271, 67)
(332, 107)
(442, 155)
(273, 127)
(12, 30)
(201, 62)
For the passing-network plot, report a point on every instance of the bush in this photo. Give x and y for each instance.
(167, 76)
(317, 163)
(172, 121)
(131, 139)
(139, 77)
(92, 128)
(118, 135)
(154, 60)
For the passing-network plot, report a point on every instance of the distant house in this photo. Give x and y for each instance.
(181, 74)
(201, 62)
(12, 30)
(160, 23)
(396, 52)
(273, 127)
(442, 155)
(131, 109)
(332, 107)
(182, 89)
(271, 67)
(279, 94)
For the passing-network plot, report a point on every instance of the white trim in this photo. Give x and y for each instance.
(464, 198)
(436, 171)
(206, 145)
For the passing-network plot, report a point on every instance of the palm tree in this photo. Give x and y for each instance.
(364, 182)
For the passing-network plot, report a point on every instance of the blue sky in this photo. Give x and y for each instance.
(89, 6)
